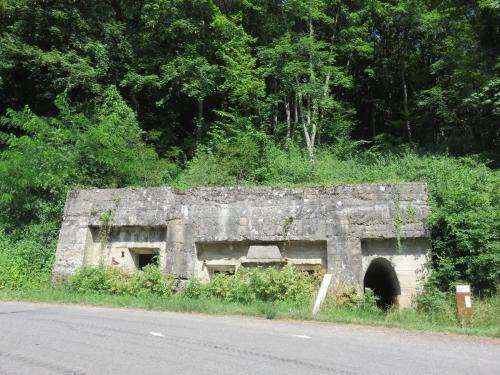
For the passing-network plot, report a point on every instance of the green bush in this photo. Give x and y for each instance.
(91, 279)
(44, 157)
(256, 284)
(115, 280)
(24, 264)
(152, 281)
(196, 289)
(231, 288)
(246, 286)
(233, 157)
(340, 295)
(368, 301)
(435, 301)
(349, 298)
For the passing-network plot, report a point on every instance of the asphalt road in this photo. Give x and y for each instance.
(41, 339)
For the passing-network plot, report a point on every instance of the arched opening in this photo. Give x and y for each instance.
(381, 278)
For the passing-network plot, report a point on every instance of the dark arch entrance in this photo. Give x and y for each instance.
(382, 279)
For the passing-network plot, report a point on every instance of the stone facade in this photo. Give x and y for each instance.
(202, 231)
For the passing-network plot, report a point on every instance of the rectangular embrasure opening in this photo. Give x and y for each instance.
(132, 247)
(229, 256)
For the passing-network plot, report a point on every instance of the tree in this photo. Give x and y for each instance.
(71, 149)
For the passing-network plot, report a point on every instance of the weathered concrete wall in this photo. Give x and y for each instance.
(217, 229)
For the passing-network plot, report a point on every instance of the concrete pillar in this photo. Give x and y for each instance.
(344, 260)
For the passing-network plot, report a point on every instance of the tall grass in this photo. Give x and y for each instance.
(485, 320)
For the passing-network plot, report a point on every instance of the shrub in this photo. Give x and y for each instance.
(256, 284)
(152, 281)
(195, 289)
(342, 295)
(116, 280)
(269, 310)
(90, 279)
(368, 301)
(25, 263)
(436, 304)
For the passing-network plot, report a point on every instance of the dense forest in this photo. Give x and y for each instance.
(114, 93)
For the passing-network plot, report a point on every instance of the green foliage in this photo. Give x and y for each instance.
(343, 297)
(286, 224)
(152, 281)
(24, 264)
(486, 311)
(398, 221)
(115, 280)
(93, 280)
(233, 157)
(52, 155)
(425, 72)
(368, 301)
(256, 284)
(196, 289)
(269, 310)
(438, 305)
(246, 286)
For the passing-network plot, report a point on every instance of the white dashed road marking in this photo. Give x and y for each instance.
(157, 334)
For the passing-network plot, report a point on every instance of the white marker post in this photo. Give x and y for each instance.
(327, 279)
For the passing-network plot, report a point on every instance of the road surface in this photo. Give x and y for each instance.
(52, 339)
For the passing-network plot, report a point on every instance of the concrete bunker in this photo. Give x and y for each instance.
(381, 278)
(200, 232)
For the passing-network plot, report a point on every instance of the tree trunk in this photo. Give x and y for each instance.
(373, 118)
(295, 115)
(406, 114)
(288, 117)
(138, 13)
(305, 123)
(135, 103)
(314, 125)
(276, 108)
(199, 120)
(117, 7)
(311, 105)
(275, 122)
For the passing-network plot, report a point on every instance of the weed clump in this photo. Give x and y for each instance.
(114, 280)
